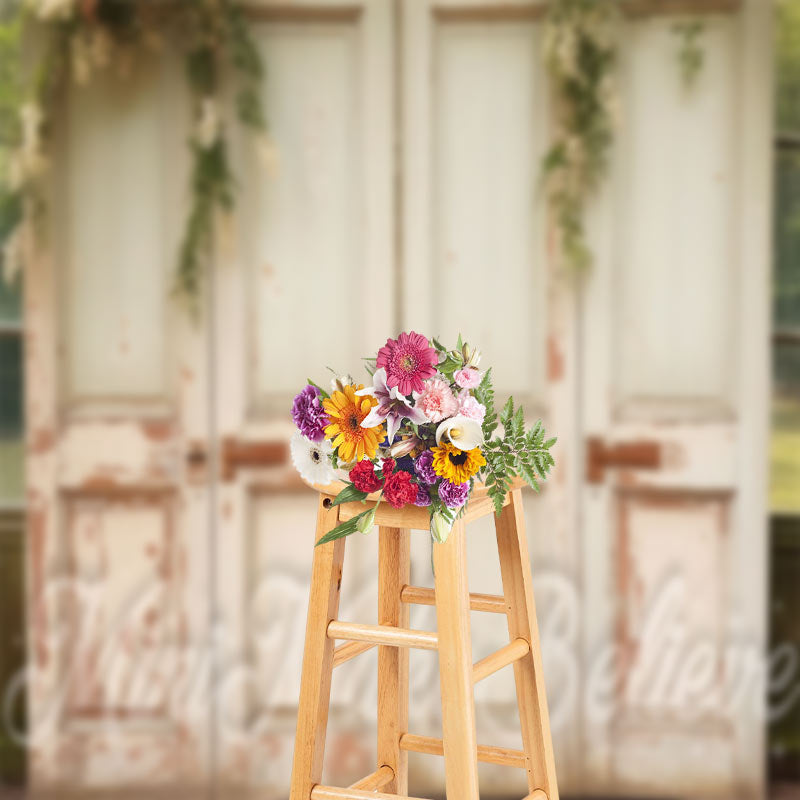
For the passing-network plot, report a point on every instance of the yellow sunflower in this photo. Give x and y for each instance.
(457, 466)
(346, 412)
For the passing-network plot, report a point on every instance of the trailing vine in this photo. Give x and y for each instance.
(690, 52)
(83, 37)
(580, 55)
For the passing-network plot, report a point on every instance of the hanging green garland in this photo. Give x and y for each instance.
(580, 55)
(84, 37)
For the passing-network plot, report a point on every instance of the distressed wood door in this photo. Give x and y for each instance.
(674, 376)
(117, 534)
(475, 259)
(305, 282)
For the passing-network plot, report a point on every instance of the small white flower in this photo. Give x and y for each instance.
(312, 459)
(208, 125)
(464, 433)
(440, 528)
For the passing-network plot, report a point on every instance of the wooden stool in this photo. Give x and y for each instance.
(393, 636)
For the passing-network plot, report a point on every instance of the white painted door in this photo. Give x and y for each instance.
(306, 283)
(115, 398)
(674, 386)
(475, 260)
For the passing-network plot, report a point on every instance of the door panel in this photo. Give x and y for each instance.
(475, 260)
(117, 529)
(314, 266)
(674, 388)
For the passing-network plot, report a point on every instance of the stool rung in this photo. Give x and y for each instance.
(383, 634)
(512, 652)
(320, 792)
(376, 780)
(536, 795)
(477, 602)
(434, 747)
(344, 652)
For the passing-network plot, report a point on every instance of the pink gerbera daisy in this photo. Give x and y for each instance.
(408, 361)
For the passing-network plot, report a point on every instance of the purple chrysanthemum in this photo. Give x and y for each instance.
(423, 466)
(309, 415)
(453, 495)
(423, 498)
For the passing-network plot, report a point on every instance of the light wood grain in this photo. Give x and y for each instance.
(504, 756)
(315, 680)
(382, 634)
(512, 652)
(515, 570)
(423, 596)
(375, 781)
(332, 793)
(537, 795)
(344, 652)
(394, 572)
(455, 666)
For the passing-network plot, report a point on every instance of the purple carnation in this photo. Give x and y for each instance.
(308, 414)
(454, 495)
(423, 466)
(423, 498)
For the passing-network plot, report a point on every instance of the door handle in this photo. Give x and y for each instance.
(237, 453)
(633, 455)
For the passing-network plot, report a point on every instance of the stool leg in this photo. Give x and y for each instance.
(515, 568)
(455, 666)
(394, 572)
(315, 681)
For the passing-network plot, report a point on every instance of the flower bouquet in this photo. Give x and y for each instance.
(421, 434)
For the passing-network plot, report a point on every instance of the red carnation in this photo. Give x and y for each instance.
(364, 478)
(399, 490)
(387, 468)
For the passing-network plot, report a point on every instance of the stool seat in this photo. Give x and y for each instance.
(452, 641)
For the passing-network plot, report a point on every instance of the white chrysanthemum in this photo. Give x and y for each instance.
(312, 459)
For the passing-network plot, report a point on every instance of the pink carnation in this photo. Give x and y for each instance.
(469, 407)
(437, 400)
(467, 378)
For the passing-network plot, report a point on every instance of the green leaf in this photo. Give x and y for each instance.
(322, 392)
(348, 495)
(344, 529)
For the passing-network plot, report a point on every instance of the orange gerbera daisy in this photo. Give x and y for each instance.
(347, 411)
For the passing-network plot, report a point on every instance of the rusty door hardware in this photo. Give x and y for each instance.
(634, 455)
(237, 454)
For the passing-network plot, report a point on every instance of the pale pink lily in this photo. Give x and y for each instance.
(392, 407)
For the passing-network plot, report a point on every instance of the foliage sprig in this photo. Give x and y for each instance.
(81, 39)
(580, 54)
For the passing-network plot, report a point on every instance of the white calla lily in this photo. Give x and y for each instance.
(462, 432)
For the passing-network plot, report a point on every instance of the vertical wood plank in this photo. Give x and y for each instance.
(394, 572)
(455, 666)
(512, 546)
(315, 681)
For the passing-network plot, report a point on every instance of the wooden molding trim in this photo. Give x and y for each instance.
(285, 12)
(508, 12)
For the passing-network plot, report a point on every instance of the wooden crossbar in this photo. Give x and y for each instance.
(320, 792)
(512, 652)
(383, 634)
(421, 596)
(375, 780)
(344, 652)
(492, 755)
(537, 795)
